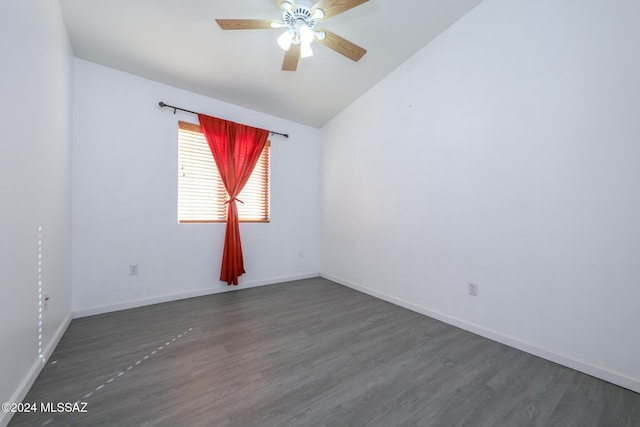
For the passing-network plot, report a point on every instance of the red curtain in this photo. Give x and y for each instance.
(236, 149)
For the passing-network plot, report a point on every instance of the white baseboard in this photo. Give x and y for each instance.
(191, 294)
(561, 359)
(36, 368)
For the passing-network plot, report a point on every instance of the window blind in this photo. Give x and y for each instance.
(201, 193)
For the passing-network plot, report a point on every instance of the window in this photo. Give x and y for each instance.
(201, 193)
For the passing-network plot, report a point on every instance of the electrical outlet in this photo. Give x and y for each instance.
(473, 289)
(301, 254)
(133, 269)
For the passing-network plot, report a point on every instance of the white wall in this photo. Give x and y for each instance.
(505, 153)
(125, 194)
(35, 189)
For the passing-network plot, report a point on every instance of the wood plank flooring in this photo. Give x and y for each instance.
(307, 353)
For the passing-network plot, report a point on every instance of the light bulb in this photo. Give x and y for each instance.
(306, 34)
(284, 41)
(318, 14)
(305, 50)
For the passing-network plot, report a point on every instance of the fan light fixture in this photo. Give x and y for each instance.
(305, 50)
(300, 24)
(284, 41)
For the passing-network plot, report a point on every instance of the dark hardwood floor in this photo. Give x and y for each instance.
(307, 353)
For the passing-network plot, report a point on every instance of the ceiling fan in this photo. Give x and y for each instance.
(300, 21)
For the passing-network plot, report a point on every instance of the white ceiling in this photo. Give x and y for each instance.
(177, 42)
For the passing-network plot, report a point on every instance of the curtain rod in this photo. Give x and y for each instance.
(162, 104)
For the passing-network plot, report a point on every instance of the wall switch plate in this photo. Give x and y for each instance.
(133, 269)
(473, 289)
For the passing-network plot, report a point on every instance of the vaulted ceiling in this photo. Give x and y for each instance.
(179, 43)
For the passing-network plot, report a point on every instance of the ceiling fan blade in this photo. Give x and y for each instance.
(336, 7)
(291, 58)
(342, 46)
(245, 24)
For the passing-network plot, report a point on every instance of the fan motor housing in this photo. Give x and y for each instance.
(299, 13)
